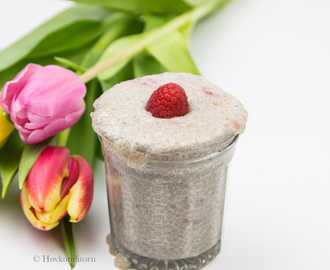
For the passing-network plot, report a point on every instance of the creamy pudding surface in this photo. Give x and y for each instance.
(214, 115)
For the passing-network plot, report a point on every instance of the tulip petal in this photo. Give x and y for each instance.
(36, 121)
(18, 113)
(81, 194)
(59, 86)
(60, 211)
(14, 87)
(68, 182)
(44, 216)
(40, 122)
(54, 215)
(30, 213)
(44, 181)
(54, 127)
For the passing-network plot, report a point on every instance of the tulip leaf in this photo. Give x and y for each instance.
(154, 21)
(116, 47)
(186, 31)
(168, 53)
(75, 56)
(142, 6)
(29, 156)
(64, 31)
(67, 39)
(195, 3)
(10, 155)
(172, 52)
(124, 74)
(120, 52)
(121, 24)
(145, 64)
(68, 239)
(82, 139)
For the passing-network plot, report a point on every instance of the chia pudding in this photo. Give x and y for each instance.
(166, 178)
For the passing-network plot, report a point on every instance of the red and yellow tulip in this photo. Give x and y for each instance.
(58, 184)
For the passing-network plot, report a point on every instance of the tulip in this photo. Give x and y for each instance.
(5, 129)
(58, 184)
(43, 101)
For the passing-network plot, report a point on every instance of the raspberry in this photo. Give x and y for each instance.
(168, 101)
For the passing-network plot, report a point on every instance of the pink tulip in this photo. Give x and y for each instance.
(58, 184)
(43, 101)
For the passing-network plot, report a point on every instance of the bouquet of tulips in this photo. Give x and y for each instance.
(50, 79)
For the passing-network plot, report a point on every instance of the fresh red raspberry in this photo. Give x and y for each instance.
(168, 101)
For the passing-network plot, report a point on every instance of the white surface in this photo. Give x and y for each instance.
(274, 56)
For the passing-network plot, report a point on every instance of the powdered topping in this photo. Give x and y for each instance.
(120, 115)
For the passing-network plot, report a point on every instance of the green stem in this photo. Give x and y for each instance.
(68, 238)
(193, 15)
(63, 137)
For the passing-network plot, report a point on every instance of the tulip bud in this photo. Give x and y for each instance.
(58, 184)
(43, 101)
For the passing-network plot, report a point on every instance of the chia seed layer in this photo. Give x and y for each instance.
(169, 209)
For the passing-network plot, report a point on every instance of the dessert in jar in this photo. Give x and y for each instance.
(166, 177)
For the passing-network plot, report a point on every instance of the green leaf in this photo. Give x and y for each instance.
(124, 74)
(10, 73)
(120, 52)
(172, 52)
(121, 24)
(115, 48)
(45, 39)
(195, 3)
(10, 155)
(75, 56)
(154, 21)
(67, 39)
(68, 239)
(186, 31)
(29, 156)
(142, 6)
(145, 64)
(82, 138)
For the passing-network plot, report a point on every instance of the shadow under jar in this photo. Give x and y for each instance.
(166, 210)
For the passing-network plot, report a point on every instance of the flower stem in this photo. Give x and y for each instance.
(63, 137)
(193, 15)
(68, 238)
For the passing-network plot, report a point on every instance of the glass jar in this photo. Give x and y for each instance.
(166, 210)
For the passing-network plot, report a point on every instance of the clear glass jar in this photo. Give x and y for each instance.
(166, 210)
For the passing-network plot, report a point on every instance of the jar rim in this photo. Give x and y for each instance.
(197, 153)
(219, 147)
(138, 159)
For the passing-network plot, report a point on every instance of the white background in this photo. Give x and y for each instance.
(275, 57)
